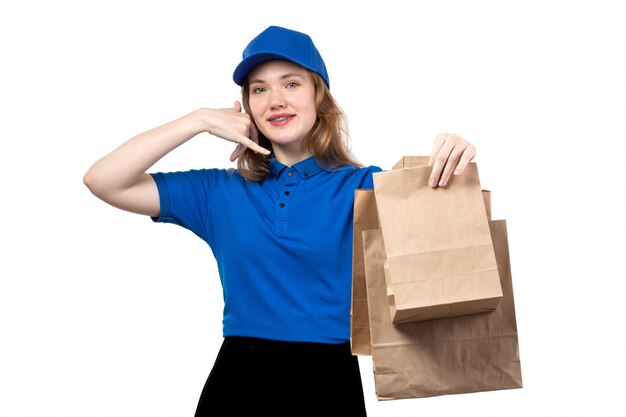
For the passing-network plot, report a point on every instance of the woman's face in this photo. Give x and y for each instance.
(282, 102)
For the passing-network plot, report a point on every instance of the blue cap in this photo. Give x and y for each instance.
(276, 42)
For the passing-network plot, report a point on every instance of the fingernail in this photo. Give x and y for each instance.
(442, 182)
(433, 182)
(457, 171)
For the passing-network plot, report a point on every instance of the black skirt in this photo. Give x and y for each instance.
(271, 378)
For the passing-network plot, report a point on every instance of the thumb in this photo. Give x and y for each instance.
(237, 106)
(237, 152)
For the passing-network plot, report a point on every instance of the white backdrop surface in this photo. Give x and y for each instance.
(103, 313)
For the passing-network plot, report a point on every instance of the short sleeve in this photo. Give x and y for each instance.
(368, 179)
(185, 198)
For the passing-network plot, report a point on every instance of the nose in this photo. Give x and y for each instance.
(277, 99)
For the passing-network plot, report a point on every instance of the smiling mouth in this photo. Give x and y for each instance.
(281, 119)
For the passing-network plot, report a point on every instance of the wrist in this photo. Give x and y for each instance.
(203, 119)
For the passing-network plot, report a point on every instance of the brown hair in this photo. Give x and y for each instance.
(327, 140)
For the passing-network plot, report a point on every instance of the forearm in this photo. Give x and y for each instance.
(121, 169)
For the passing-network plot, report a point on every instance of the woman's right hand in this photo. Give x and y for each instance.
(233, 125)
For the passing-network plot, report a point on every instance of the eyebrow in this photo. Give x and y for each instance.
(282, 77)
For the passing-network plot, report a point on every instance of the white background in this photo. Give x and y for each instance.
(103, 313)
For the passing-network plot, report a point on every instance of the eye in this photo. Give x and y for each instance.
(292, 84)
(258, 90)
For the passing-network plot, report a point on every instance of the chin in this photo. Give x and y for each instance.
(285, 141)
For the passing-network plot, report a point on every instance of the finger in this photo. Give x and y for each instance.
(254, 133)
(451, 164)
(466, 158)
(249, 143)
(237, 106)
(438, 143)
(439, 163)
(240, 149)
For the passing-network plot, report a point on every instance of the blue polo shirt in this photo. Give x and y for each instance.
(283, 245)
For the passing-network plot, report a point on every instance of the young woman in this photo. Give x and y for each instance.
(280, 227)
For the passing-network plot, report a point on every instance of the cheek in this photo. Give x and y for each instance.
(312, 116)
(257, 110)
(311, 105)
(256, 107)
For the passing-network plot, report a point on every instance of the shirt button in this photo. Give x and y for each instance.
(287, 193)
(290, 174)
(306, 174)
(281, 205)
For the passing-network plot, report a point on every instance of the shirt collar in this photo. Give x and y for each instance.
(306, 168)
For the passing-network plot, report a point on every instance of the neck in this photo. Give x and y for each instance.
(288, 156)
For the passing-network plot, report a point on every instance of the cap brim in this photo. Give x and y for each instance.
(252, 61)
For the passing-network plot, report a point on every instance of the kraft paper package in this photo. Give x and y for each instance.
(440, 259)
(461, 354)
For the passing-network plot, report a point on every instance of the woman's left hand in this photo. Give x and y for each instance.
(451, 154)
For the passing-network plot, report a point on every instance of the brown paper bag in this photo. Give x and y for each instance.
(365, 218)
(462, 354)
(440, 259)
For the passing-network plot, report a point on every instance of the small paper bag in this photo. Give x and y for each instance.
(440, 259)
